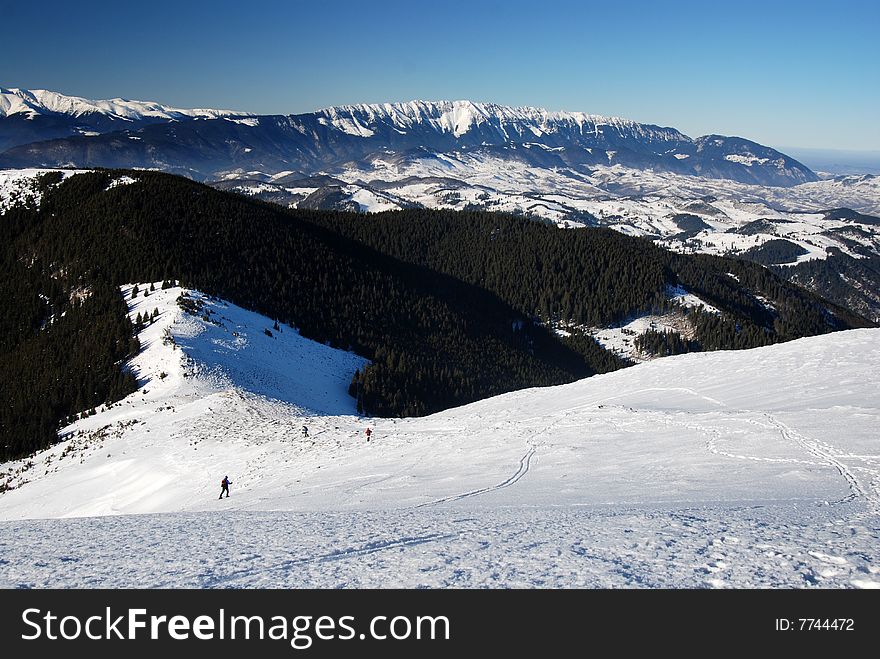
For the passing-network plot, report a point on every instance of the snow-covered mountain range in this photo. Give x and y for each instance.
(753, 468)
(569, 138)
(209, 143)
(724, 469)
(31, 115)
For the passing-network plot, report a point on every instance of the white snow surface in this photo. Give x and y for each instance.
(747, 160)
(371, 201)
(727, 469)
(681, 296)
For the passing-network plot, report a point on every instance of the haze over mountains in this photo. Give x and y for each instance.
(837, 162)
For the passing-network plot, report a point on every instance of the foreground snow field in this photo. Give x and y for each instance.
(754, 468)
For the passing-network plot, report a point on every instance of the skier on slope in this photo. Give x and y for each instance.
(224, 485)
(368, 432)
(305, 431)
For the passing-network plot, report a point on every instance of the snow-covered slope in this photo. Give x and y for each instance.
(34, 102)
(714, 469)
(213, 358)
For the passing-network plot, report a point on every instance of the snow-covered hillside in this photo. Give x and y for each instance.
(213, 358)
(615, 194)
(754, 468)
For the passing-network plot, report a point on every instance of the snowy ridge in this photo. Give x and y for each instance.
(710, 469)
(33, 102)
(457, 117)
(199, 354)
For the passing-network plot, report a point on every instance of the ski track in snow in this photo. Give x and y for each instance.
(826, 453)
(520, 472)
(764, 471)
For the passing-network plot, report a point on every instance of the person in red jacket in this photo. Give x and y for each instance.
(368, 432)
(224, 485)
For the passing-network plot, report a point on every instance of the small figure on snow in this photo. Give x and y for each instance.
(305, 431)
(368, 433)
(224, 485)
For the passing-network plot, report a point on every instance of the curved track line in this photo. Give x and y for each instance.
(822, 451)
(524, 465)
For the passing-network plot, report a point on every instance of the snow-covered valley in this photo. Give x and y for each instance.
(726, 469)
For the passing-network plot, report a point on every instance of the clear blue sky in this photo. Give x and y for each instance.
(801, 73)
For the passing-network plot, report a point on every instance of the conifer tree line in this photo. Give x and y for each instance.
(448, 307)
(64, 359)
(663, 343)
(597, 277)
(840, 277)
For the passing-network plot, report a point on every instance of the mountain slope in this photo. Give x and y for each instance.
(708, 470)
(833, 220)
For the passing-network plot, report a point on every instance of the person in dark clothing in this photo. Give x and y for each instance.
(224, 484)
(368, 433)
(305, 431)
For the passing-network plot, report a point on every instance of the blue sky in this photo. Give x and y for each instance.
(783, 73)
